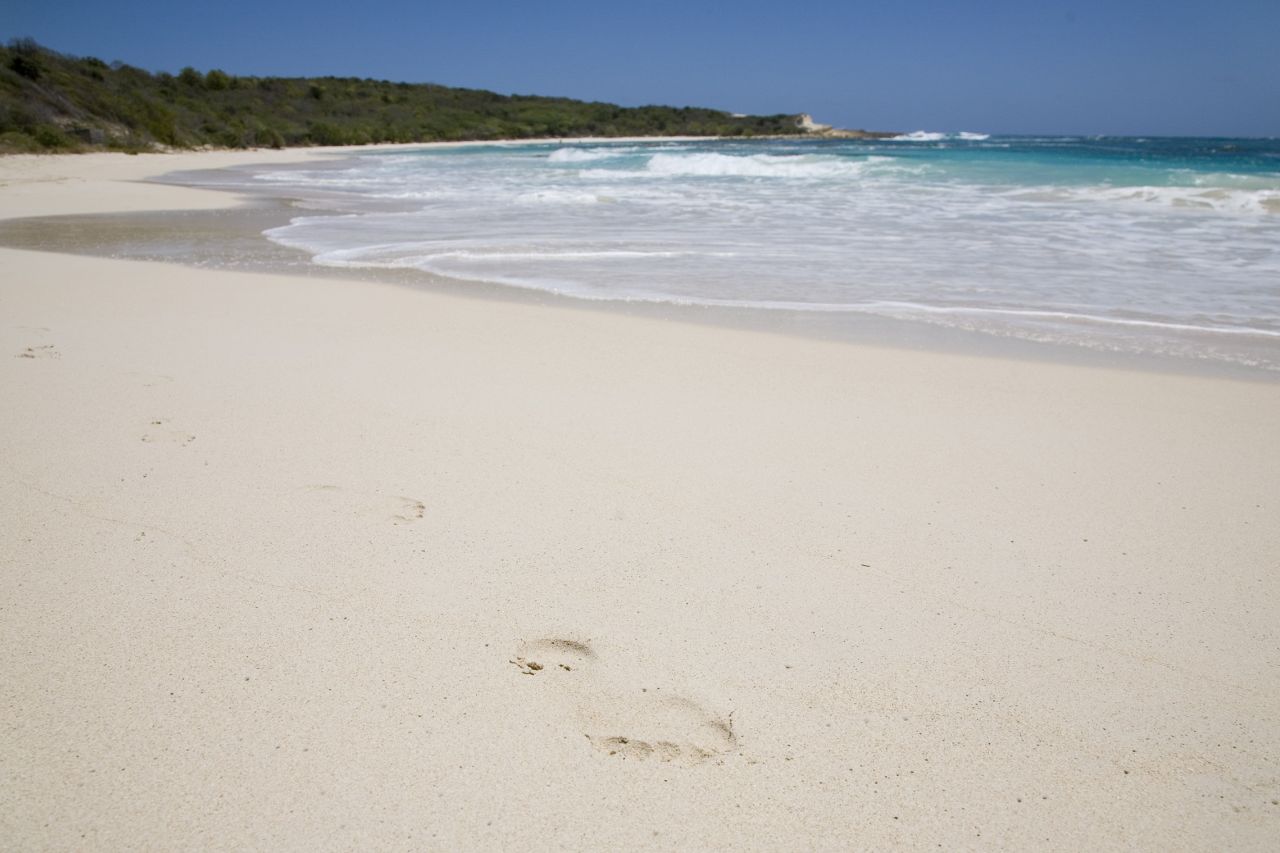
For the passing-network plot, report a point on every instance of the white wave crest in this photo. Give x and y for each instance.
(918, 136)
(327, 178)
(936, 136)
(586, 155)
(555, 196)
(753, 166)
(1220, 199)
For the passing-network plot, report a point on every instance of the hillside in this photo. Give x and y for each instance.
(50, 101)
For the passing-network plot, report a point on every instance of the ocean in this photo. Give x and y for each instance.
(1144, 245)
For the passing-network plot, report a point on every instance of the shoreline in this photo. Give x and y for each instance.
(254, 253)
(282, 551)
(853, 327)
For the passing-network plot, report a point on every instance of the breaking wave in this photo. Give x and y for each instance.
(935, 136)
(753, 166)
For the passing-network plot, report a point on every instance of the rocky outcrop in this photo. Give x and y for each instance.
(805, 122)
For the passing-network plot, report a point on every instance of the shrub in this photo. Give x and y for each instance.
(269, 137)
(162, 125)
(324, 133)
(217, 80)
(16, 142)
(25, 46)
(131, 144)
(25, 66)
(18, 117)
(51, 136)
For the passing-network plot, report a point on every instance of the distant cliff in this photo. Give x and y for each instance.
(50, 101)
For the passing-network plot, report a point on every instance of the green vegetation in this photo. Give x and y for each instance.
(53, 102)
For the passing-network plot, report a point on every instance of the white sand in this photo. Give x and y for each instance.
(279, 555)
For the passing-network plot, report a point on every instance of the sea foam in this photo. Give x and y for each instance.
(753, 166)
(585, 155)
(935, 136)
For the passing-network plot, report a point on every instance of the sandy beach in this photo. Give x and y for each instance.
(295, 563)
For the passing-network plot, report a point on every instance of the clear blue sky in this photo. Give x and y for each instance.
(1121, 67)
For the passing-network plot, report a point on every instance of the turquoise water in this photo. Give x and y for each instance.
(1146, 245)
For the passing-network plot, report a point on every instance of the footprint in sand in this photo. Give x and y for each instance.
(407, 510)
(396, 508)
(41, 351)
(621, 722)
(161, 431)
